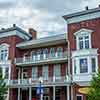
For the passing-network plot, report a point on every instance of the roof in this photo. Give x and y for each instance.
(46, 41)
(3, 30)
(89, 11)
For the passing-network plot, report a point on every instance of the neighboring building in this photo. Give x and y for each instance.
(84, 40)
(65, 64)
(28, 59)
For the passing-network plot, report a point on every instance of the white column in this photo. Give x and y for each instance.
(30, 93)
(18, 93)
(72, 93)
(41, 96)
(68, 97)
(53, 92)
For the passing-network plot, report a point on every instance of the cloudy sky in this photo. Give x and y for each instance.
(43, 15)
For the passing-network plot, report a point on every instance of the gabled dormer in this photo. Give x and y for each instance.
(83, 39)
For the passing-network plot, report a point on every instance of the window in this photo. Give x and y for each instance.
(59, 52)
(83, 65)
(45, 72)
(93, 62)
(74, 66)
(84, 42)
(39, 54)
(6, 73)
(34, 72)
(80, 43)
(4, 52)
(52, 52)
(79, 97)
(45, 53)
(33, 55)
(57, 71)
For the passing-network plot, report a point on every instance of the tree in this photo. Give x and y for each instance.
(94, 92)
(3, 87)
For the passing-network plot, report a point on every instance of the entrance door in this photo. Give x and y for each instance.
(46, 98)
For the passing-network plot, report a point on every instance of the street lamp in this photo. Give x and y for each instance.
(40, 88)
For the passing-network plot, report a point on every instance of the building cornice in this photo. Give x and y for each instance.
(83, 15)
(46, 41)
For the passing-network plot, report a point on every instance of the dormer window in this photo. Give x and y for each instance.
(83, 39)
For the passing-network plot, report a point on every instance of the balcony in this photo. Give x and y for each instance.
(83, 79)
(42, 59)
(46, 82)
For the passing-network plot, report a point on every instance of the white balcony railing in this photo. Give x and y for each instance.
(41, 58)
(49, 81)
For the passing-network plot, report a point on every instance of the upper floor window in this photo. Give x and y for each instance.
(59, 52)
(52, 52)
(45, 53)
(34, 72)
(93, 62)
(83, 65)
(57, 70)
(83, 38)
(45, 72)
(4, 52)
(84, 42)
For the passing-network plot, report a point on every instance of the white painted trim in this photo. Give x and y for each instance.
(43, 41)
(83, 17)
(14, 32)
(82, 33)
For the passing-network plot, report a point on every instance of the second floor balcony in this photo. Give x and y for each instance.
(62, 80)
(42, 59)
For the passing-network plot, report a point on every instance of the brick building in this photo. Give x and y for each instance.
(83, 37)
(65, 63)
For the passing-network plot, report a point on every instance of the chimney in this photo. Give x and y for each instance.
(86, 8)
(33, 33)
(14, 25)
(99, 5)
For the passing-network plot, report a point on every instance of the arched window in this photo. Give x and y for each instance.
(59, 52)
(4, 49)
(45, 53)
(52, 52)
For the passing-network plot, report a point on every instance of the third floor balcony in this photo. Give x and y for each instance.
(40, 59)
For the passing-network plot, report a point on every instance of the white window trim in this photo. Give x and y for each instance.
(4, 46)
(81, 33)
(88, 62)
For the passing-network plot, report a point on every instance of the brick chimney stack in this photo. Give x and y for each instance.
(33, 33)
(86, 8)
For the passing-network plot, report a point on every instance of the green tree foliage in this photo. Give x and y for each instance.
(94, 93)
(3, 87)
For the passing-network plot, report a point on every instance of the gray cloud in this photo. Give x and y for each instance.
(43, 15)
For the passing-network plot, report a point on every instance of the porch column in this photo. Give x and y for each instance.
(18, 93)
(72, 93)
(54, 92)
(68, 97)
(30, 93)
